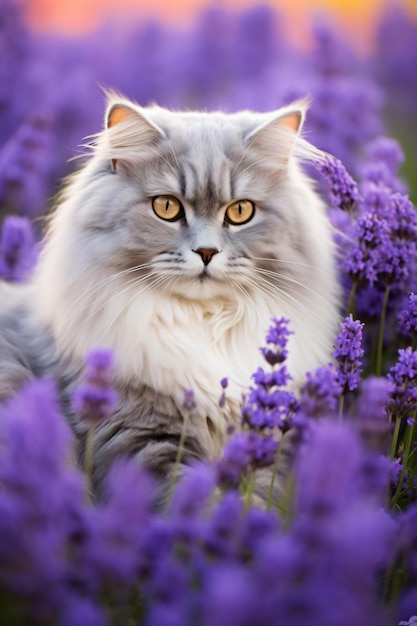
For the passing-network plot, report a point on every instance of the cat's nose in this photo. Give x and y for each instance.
(206, 254)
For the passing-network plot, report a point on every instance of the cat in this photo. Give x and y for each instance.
(174, 245)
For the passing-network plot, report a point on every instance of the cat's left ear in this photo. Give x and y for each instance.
(128, 132)
(276, 137)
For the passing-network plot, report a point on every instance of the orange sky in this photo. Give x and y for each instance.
(357, 16)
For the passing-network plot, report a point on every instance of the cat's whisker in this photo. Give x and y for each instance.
(129, 285)
(271, 290)
(287, 262)
(280, 276)
(135, 295)
(87, 295)
(242, 290)
(301, 301)
(106, 280)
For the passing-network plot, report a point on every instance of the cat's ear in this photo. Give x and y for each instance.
(128, 132)
(276, 137)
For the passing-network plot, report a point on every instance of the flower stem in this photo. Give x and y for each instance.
(395, 437)
(351, 306)
(341, 403)
(274, 473)
(406, 454)
(249, 490)
(378, 368)
(180, 451)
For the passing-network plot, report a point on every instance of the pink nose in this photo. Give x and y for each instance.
(206, 254)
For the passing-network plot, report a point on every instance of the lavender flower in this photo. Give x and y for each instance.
(17, 249)
(320, 393)
(244, 452)
(277, 339)
(224, 384)
(348, 353)
(403, 376)
(407, 319)
(372, 406)
(384, 158)
(401, 249)
(41, 501)
(342, 188)
(188, 401)
(95, 398)
(363, 263)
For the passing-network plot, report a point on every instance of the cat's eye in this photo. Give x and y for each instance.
(167, 208)
(240, 212)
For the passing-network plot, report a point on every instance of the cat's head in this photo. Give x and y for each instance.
(199, 203)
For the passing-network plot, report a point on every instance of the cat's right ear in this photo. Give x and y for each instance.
(128, 133)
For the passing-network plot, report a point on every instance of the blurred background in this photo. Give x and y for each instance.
(358, 62)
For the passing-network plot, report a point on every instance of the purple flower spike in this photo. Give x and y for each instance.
(277, 336)
(388, 151)
(403, 376)
(95, 398)
(188, 400)
(375, 395)
(349, 352)
(17, 248)
(407, 319)
(343, 189)
(320, 393)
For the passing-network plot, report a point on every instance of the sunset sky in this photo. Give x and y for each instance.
(74, 15)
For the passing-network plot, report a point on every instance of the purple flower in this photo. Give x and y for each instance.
(192, 493)
(380, 169)
(188, 400)
(364, 260)
(244, 451)
(407, 319)
(348, 353)
(268, 406)
(112, 551)
(320, 393)
(224, 526)
(41, 501)
(342, 188)
(375, 393)
(403, 376)
(83, 611)
(17, 249)
(401, 249)
(277, 339)
(95, 398)
(229, 597)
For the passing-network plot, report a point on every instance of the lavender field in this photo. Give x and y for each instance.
(341, 548)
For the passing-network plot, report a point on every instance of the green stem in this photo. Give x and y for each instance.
(395, 437)
(406, 454)
(382, 331)
(341, 403)
(178, 457)
(274, 473)
(89, 458)
(249, 491)
(351, 305)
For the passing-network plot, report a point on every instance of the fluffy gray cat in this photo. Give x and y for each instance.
(174, 245)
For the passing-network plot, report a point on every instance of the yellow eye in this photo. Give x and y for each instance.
(240, 212)
(167, 208)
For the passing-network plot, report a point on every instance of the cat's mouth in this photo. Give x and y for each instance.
(204, 275)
